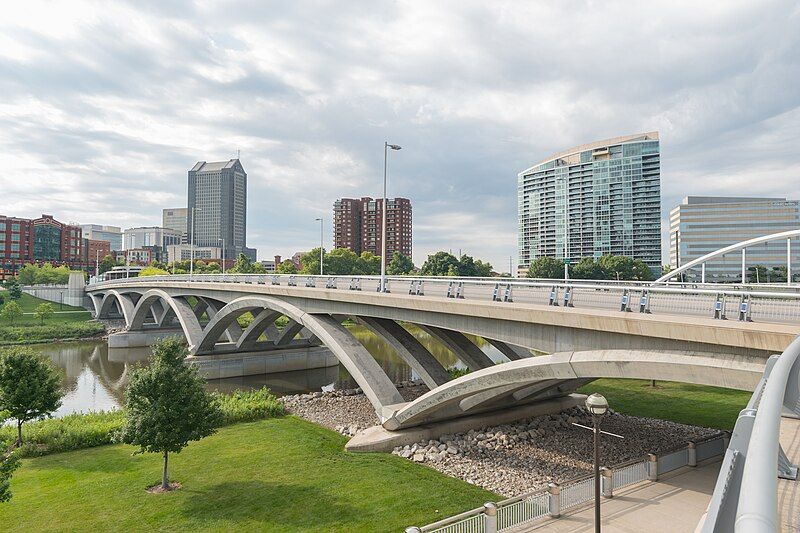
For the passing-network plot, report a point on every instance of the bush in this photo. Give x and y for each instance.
(33, 334)
(86, 430)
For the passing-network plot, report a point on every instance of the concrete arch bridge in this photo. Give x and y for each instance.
(590, 337)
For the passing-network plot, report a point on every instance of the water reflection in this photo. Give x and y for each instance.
(95, 377)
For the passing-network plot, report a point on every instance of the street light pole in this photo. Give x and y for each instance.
(386, 147)
(96, 263)
(597, 406)
(191, 245)
(321, 253)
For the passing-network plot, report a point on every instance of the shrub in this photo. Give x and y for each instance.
(86, 430)
(32, 334)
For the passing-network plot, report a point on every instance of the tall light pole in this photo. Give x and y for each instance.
(597, 405)
(386, 147)
(191, 244)
(223, 255)
(96, 263)
(321, 253)
(566, 228)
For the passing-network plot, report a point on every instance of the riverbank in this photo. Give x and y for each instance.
(508, 459)
(65, 324)
(281, 474)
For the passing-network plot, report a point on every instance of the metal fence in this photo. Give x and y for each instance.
(747, 303)
(552, 502)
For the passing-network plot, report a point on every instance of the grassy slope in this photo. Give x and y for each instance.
(680, 402)
(274, 475)
(29, 303)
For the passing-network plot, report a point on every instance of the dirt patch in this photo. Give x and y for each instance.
(158, 489)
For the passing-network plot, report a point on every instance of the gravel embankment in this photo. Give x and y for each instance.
(509, 459)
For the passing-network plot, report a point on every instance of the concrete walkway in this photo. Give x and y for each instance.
(676, 502)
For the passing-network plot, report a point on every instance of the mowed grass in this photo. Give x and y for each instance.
(697, 405)
(29, 303)
(274, 475)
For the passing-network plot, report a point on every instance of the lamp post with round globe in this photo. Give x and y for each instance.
(597, 406)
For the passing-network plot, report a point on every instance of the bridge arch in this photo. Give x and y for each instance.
(376, 385)
(739, 246)
(183, 312)
(469, 393)
(124, 303)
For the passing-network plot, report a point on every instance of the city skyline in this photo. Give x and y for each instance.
(310, 120)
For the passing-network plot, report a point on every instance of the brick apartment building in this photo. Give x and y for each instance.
(40, 240)
(357, 225)
(95, 251)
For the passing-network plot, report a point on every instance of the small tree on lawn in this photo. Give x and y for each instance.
(14, 290)
(29, 386)
(44, 311)
(8, 463)
(167, 405)
(11, 311)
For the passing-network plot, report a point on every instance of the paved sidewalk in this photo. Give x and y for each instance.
(673, 504)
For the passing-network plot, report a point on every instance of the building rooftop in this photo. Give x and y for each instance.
(202, 166)
(695, 200)
(636, 137)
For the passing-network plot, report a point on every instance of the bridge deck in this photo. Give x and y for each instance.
(676, 502)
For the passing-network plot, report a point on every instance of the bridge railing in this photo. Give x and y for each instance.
(570, 495)
(745, 497)
(721, 302)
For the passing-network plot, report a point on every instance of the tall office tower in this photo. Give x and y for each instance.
(704, 224)
(357, 225)
(596, 199)
(218, 203)
(98, 232)
(175, 218)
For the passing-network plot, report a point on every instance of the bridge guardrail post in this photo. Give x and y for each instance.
(652, 467)
(745, 310)
(490, 517)
(568, 296)
(553, 296)
(625, 304)
(691, 454)
(607, 482)
(554, 500)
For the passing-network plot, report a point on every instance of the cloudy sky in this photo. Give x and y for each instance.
(104, 106)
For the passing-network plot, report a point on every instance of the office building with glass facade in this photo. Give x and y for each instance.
(601, 198)
(218, 202)
(704, 224)
(175, 218)
(98, 232)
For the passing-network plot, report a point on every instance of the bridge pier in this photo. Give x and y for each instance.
(240, 364)
(143, 338)
(380, 439)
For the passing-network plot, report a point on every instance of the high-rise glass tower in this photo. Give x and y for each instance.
(218, 200)
(592, 200)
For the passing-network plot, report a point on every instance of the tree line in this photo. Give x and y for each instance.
(607, 267)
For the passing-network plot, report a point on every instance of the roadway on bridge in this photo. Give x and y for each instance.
(676, 502)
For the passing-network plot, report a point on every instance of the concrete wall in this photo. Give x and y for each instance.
(71, 294)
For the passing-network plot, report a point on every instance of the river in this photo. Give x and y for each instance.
(94, 377)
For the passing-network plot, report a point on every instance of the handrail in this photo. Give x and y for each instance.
(587, 284)
(758, 512)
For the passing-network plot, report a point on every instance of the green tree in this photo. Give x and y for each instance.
(483, 270)
(8, 463)
(29, 386)
(44, 311)
(439, 264)
(546, 268)
(2, 299)
(14, 290)
(11, 311)
(309, 262)
(400, 265)
(339, 262)
(243, 265)
(642, 272)
(107, 264)
(286, 267)
(27, 274)
(588, 268)
(166, 405)
(152, 271)
(368, 264)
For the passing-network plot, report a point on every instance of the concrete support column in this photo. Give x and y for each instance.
(691, 449)
(490, 517)
(652, 467)
(554, 500)
(607, 482)
(462, 347)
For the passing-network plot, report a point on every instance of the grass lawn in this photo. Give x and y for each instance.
(697, 405)
(29, 303)
(281, 474)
